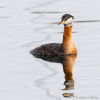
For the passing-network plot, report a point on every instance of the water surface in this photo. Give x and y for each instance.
(26, 24)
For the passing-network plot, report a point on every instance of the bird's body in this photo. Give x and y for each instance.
(67, 47)
(51, 49)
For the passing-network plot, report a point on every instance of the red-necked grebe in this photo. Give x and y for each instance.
(67, 47)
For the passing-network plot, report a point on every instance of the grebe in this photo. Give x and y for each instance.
(67, 47)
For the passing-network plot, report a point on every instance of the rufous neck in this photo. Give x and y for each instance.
(68, 45)
(67, 33)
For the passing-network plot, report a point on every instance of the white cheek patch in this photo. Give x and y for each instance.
(69, 21)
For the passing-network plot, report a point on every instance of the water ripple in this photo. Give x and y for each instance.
(29, 44)
(86, 21)
(49, 12)
(47, 3)
(2, 7)
(41, 81)
(5, 17)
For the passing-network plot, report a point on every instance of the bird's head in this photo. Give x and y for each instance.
(67, 20)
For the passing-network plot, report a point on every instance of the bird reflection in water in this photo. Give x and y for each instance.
(67, 62)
